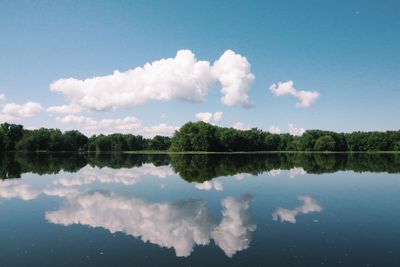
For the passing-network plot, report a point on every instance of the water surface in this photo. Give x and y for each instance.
(197, 210)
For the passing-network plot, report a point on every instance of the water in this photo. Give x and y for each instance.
(199, 210)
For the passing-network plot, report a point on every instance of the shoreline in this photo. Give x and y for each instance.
(204, 152)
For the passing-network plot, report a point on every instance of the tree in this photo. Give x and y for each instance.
(159, 143)
(397, 146)
(11, 133)
(325, 143)
(195, 136)
(74, 141)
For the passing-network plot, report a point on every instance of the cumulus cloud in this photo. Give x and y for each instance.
(274, 129)
(17, 189)
(305, 98)
(124, 125)
(7, 118)
(309, 205)
(181, 78)
(296, 131)
(284, 88)
(233, 72)
(204, 116)
(185, 224)
(70, 109)
(2, 97)
(218, 116)
(13, 111)
(209, 117)
(241, 126)
(160, 129)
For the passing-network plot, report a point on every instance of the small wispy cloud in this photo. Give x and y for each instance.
(297, 131)
(305, 98)
(274, 129)
(309, 205)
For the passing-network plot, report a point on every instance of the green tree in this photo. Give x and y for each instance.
(195, 136)
(396, 146)
(11, 134)
(325, 143)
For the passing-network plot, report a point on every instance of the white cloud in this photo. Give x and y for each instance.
(241, 126)
(74, 119)
(305, 98)
(208, 185)
(71, 109)
(217, 117)
(295, 131)
(233, 72)
(7, 118)
(185, 224)
(204, 116)
(163, 116)
(160, 129)
(181, 78)
(125, 125)
(2, 97)
(309, 205)
(274, 129)
(284, 88)
(16, 111)
(17, 189)
(209, 117)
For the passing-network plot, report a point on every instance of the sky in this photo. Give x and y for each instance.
(148, 67)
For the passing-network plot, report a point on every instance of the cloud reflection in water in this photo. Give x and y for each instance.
(17, 189)
(310, 205)
(123, 176)
(180, 225)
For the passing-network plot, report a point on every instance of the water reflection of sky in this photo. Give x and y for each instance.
(179, 224)
(233, 213)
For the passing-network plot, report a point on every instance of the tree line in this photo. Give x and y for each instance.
(15, 138)
(196, 136)
(200, 136)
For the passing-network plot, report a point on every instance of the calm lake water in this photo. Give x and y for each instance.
(200, 210)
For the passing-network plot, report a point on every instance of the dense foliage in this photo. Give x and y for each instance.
(200, 136)
(196, 136)
(16, 138)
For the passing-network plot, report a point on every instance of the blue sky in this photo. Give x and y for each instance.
(347, 52)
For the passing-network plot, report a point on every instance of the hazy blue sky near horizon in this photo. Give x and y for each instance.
(347, 51)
